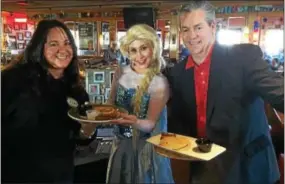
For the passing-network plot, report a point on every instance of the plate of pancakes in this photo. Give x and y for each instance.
(98, 114)
(182, 147)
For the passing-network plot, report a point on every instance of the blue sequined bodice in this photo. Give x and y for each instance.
(124, 99)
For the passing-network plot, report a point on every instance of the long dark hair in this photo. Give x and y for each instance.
(34, 52)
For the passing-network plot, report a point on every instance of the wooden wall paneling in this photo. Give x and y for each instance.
(174, 37)
(113, 30)
(99, 37)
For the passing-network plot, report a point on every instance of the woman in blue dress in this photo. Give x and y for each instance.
(141, 89)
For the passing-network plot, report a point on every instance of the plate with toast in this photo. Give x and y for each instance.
(182, 147)
(97, 113)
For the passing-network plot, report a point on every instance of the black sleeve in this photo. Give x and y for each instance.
(16, 118)
(81, 96)
(175, 111)
(265, 82)
(9, 89)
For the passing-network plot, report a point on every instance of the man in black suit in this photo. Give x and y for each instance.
(218, 93)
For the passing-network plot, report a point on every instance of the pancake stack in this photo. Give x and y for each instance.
(171, 141)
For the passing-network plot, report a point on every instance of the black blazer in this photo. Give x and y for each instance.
(239, 81)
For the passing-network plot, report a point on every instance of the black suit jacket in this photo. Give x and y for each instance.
(239, 81)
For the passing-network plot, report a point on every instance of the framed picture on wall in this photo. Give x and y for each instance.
(111, 77)
(99, 77)
(20, 46)
(24, 26)
(94, 89)
(28, 34)
(12, 42)
(20, 36)
(7, 28)
(12, 38)
(105, 26)
(16, 26)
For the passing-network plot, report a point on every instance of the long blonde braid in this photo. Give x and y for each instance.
(143, 88)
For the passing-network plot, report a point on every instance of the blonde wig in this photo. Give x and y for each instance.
(148, 35)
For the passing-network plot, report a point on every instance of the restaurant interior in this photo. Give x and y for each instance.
(94, 24)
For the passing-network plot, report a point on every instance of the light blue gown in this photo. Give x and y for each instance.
(132, 159)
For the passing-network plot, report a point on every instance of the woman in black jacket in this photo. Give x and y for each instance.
(38, 138)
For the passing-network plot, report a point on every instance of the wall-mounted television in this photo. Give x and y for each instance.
(134, 16)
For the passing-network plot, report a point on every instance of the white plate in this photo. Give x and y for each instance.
(73, 114)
